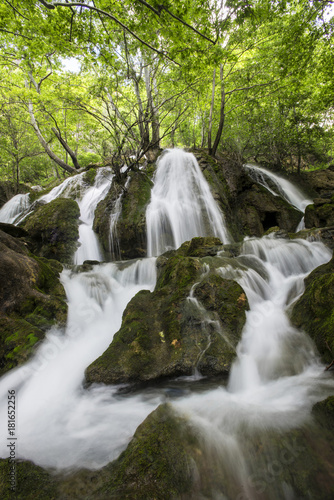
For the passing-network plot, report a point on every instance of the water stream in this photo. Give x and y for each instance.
(275, 379)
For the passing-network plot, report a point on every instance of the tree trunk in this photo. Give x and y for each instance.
(120, 117)
(143, 129)
(154, 118)
(66, 147)
(45, 145)
(211, 112)
(222, 113)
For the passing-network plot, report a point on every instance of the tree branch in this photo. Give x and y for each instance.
(113, 18)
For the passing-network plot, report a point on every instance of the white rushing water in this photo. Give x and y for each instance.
(89, 248)
(181, 206)
(59, 423)
(11, 210)
(274, 381)
(278, 186)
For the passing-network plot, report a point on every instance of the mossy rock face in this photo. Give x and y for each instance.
(32, 482)
(222, 174)
(314, 311)
(89, 176)
(320, 214)
(131, 225)
(167, 333)
(102, 217)
(32, 299)
(257, 210)
(53, 229)
(129, 237)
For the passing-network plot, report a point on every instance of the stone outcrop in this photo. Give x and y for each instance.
(32, 299)
(53, 229)
(314, 311)
(130, 228)
(192, 320)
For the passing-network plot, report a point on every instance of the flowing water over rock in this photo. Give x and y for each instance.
(182, 205)
(11, 210)
(274, 381)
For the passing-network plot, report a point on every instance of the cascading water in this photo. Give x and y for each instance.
(89, 248)
(11, 210)
(275, 379)
(278, 186)
(181, 206)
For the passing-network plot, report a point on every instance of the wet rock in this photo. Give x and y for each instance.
(16, 231)
(130, 230)
(32, 299)
(166, 333)
(320, 214)
(314, 311)
(257, 210)
(53, 229)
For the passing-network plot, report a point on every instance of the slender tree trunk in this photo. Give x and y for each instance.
(222, 113)
(203, 131)
(120, 117)
(66, 147)
(45, 145)
(42, 141)
(65, 133)
(211, 111)
(154, 118)
(143, 129)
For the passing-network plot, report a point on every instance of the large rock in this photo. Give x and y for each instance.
(32, 299)
(53, 229)
(257, 210)
(168, 333)
(129, 237)
(314, 311)
(320, 214)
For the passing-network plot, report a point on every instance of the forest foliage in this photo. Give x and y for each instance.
(252, 77)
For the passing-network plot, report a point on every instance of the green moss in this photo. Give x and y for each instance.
(157, 463)
(314, 311)
(53, 229)
(32, 482)
(165, 334)
(89, 176)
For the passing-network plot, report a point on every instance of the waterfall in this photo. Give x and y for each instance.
(61, 424)
(89, 248)
(278, 186)
(275, 379)
(181, 206)
(11, 210)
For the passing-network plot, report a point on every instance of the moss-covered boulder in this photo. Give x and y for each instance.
(53, 229)
(257, 210)
(314, 311)
(32, 299)
(191, 320)
(127, 205)
(320, 214)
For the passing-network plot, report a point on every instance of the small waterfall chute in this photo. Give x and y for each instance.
(14, 207)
